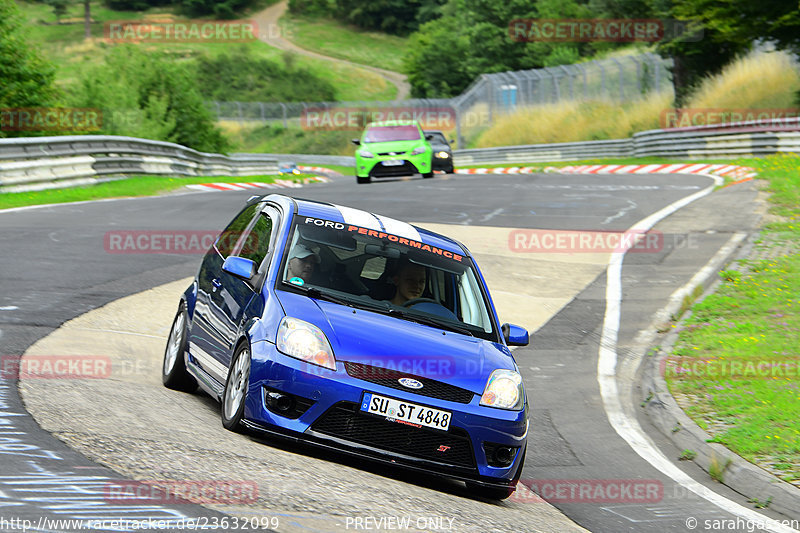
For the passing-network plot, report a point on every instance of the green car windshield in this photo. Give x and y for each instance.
(379, 134)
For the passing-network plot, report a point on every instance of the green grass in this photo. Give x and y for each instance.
(64, 46)
(332, 38)
(753, 319)
(128, 187)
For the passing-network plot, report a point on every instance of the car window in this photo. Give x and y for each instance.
(256, 243)
(438, 137)
(230, 236)
(370, 268)
(376, 134)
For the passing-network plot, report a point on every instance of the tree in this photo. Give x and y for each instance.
(144, 94)
(728, 29)
(26, 80)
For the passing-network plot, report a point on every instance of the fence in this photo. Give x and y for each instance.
(54, 162)
(619, 79)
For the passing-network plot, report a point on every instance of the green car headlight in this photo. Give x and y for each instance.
(366, 153)
(418, 150)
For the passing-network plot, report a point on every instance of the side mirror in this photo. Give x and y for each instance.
(356, 142)
(452, 141)
(239, 267)
(515, 335)
(429, 137)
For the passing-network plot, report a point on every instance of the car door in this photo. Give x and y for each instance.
(222, 297)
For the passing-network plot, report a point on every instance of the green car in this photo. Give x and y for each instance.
(392, 148)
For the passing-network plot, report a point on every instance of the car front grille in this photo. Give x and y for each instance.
(389, 378)
(391, 153)
(345, 421)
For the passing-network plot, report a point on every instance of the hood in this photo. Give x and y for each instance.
(379, 340)
(392, 146)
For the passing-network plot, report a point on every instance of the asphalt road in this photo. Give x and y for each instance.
(56, 267)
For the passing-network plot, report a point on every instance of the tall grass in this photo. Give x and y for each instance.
(762, 80)
(575, 121)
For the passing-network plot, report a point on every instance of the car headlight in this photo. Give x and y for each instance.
(304, 341)
(504, 390)
(365, 153)
(442, 155)
(418, 150)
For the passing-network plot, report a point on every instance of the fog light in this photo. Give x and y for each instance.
(504, 455)
(278, 402)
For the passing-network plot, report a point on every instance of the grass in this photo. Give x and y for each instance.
(65, 46)
(738, 349)
(128, 187)
(334, 39)
(760, 81)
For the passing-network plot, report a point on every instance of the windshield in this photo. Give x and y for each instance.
(386, 273)
(379, 134)
(438, 137)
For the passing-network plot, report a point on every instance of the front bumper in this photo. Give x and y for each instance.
(375, 167)
(328, 415)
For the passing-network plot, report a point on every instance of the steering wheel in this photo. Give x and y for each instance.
(415, 301)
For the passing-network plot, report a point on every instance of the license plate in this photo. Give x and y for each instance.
(405, 412)
(393, 162)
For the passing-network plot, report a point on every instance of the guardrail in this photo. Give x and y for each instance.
(36, 163)
(52, 162)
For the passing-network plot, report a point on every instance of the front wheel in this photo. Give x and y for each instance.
(427, 175)
(173, 372)
(361, 180)
(236, 390)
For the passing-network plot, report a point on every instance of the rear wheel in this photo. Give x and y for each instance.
(173, 372)
(366, 179)
(236, 390)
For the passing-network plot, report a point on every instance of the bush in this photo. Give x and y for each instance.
(240, 77)
(143, 94)
(26, 80)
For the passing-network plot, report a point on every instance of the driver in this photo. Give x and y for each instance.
(410, 281)
(301, 263)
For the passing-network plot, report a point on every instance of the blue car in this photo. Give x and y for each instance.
(354, 332)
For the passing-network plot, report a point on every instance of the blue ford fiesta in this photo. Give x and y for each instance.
(356, 332)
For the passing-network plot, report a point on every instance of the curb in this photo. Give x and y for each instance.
(663, 411)
(277, 184)
(322, 170)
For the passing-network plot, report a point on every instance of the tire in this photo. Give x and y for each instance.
(427, 175)
(235, 394)
(361, 180)
(452, 170)
(173, 371)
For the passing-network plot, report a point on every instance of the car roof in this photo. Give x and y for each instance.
(365, 219)
(393, 123)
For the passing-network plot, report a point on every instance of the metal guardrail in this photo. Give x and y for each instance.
(52, 162)
(37, 163)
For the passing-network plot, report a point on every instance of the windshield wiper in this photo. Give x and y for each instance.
(430, 321)
(314, 292)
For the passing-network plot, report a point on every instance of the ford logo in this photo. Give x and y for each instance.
(410, 383)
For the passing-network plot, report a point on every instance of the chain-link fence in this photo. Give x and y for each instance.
(623, 78)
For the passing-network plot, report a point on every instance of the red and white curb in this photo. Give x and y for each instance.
(499, 170)
(324, 170)
(277, 184)
(730, 171)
